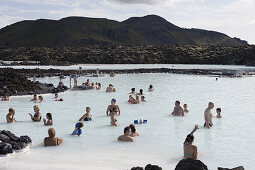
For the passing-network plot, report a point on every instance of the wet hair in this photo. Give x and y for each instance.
(133, 89)
(218, 109)
(88, 108)
(114, 100)
(51, 132)
(110, 85)
(185, 105)
(177, 101)
(132, 127)
(151, 86)
(11, 110)
(49, 115)
(80, 125)
(141, 91)
(189, 139)
(36, 107)
(126, 129)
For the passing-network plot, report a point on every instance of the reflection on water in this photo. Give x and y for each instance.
(226, 144)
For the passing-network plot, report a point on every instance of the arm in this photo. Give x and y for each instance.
(182, 112)
(107, 110)
(119, 109)
(60, 140)
(194, 130)
(82, 118)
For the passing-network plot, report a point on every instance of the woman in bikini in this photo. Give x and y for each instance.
(110, 108)
(190, 150)
(37, 116)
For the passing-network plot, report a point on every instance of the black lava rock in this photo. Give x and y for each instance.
(190, 164)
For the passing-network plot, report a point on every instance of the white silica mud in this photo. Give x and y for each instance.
(228, 144)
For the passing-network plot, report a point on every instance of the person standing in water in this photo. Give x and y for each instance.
(133, 131)
(37, 116)
(10, 116)
(113, 115)
(75, 80)
(190, 150)
(49, 121)
(178, 110)
(35, 99)
(208, 115)
(87, 116)
(52, 140)
(127, 135)
(218, 110)
(110, 107)
(185, 108)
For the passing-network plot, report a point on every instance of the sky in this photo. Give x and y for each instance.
(235, 18)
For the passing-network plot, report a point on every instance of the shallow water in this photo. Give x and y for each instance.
(227, 144)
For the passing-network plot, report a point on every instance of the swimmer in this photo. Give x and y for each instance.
(190, 151)
(133, 131)
(87, 83)
(37, 116)
(77, 131)
(10, 116)
(208, 115)
(5, 98)
(57, 99)
(178, 110)
(113, 115)
(218, 110)
(112, 74)
(133, 91)
(185, 108)
(98, 86)
(110, 88)
(110, 107)
(49, 121)
(52, 140)
(126, 137)
(134, 101)
(40, 99)
(143, 99)
(131, 99)
(141, 92)
(35, 99)
(56, 95)
(87, 116)
(151, 88)
(92, 86)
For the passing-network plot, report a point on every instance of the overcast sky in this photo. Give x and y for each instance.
(235, 18)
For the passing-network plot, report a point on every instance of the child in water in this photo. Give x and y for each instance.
(143, 99)
(77, 131)
(218, 110)
(185, 108)
(49, 121)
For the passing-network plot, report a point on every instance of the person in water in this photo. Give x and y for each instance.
(77, 131)
(110, 88)
(98, 86)
(133, 131)
(127, 135)
(113, 115)
(5, 98)
(35, 99)
(133, 100)
(52, 140)
(110, 107)
(143, 99)
(10, 116)
(133, 91)
(141, 92)
(92, 86)
(185, 108)
(37, 116)
(208, 115)
(40, 99)
(218, 110)
(75, 78)
(190, 150)
(178, 110)
(87, 116)
(49, 121)
(57, 99)
(151, 88)
(87, 83)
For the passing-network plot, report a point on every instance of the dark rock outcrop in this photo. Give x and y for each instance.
(190, 164)
(147, 167)
(9, 142)
(237, 168)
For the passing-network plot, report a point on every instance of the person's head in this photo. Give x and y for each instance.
(133, 89)
(177, 103)
(110, 85)
(218, 110)
(189, 139)
(41, 98)
(211, 105)
(92, 84)
(12, 111)
(141, 91)
(142, 97)
(185, 106)
(99, 84)
(49, 116)
(151, 86)
(56, 95)
(88, 109)
(132, 128)
(80, 125)
(113, 101)
(51, 132)
(87, 80)
(127, 131)
(36, 108)
(35, 96)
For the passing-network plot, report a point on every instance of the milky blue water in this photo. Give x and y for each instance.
(228, 144)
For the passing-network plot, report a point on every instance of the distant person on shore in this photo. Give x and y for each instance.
(40, 99)
(151, 88)
(5, 98)
(218, 110)
(127, 135)
(208, 115)
(178, 110)
(143, 99)
(185, 108)
(10, 116)
(141, 92)
(77, 131)
(37, 116)
(133, 131)
(110, 107)
(110, 88)
(190, 150)
(133, 91)
(75, 78)
(35, 99)
(87, 116)
(49, 121)
(52, 140)
(112, 74)
(98, 86)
